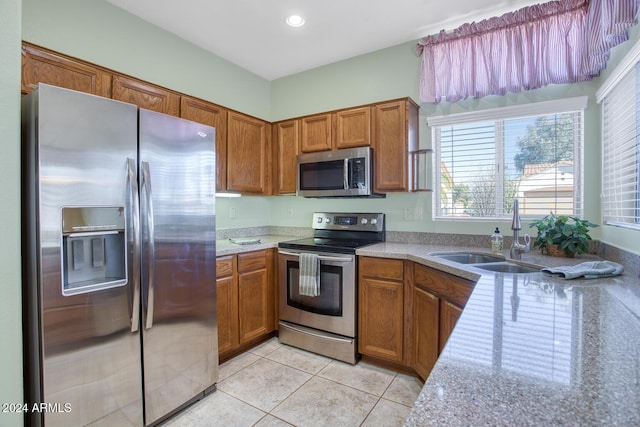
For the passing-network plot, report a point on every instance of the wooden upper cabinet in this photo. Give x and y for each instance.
(212, 115)
(395, 130)
(41, 66)
(145, 95)
(286, 148)
(316, 133)
(352, 128)
(248, 156)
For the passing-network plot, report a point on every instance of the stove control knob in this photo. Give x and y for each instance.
(364, 221)
(319, 220)
(327, 220)
(374, 221)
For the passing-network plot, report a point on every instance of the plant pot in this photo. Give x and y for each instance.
(554, 250)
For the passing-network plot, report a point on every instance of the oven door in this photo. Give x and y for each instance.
(334, 310)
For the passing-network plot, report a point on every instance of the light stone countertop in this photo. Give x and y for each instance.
(225, 247)
(531, 350)
(528, 350)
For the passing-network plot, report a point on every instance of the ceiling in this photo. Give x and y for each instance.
(253, 35)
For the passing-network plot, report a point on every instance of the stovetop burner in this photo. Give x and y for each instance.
(341, 233)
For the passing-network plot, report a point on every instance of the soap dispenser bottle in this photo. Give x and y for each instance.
(496, 242)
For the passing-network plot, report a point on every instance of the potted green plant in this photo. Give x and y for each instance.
(562, 235)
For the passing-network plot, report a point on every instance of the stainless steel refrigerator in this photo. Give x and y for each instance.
(119, 261)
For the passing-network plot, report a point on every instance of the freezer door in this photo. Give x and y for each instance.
(83, 360)
(179, 319)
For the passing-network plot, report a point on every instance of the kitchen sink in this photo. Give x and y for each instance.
(487, 262)
(507, 267)
(469, 257)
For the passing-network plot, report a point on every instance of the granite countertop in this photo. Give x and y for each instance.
(226, 247)
(531, 349)
(528, 349)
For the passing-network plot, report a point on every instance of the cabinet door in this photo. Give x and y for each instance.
(381, 319)
(425, 318)
(447, 286)
(247, 154)
(227, 300)
(41, 66)
(395, 137)
(352, 128)
(253, 305)
(316, 133)
(145, 95)
(255, 295)
(227, 314)
(211, 115)
(449, 315)
(287, 147)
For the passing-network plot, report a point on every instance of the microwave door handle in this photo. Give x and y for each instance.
(346, 174)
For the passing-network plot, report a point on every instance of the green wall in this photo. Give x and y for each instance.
(10, 288)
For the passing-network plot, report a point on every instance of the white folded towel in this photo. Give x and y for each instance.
(586, 270)
(309, 280)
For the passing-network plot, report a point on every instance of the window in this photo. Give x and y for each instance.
(488, 158)
(621, 149)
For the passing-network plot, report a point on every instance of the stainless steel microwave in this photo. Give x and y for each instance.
(337, 173)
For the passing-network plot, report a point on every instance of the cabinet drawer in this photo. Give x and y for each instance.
(449, 287)
(224, 266)
(252, 261)
(383, 268)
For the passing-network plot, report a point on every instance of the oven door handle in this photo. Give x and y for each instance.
(320, 257)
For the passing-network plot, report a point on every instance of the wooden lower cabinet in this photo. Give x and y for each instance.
(381, 308)
(439, 298)
(255, 295)
(449, 315)
(227, 300)
(246, 300)
(426, 308)
(406, 311)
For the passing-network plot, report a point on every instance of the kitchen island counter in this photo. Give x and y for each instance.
(531, 349)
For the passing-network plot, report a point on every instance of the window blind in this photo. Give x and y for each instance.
(484, 165)
(621, 152)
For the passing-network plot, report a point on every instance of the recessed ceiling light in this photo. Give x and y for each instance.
(295, 21)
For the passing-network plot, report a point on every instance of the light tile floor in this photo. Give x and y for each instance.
(278, 385)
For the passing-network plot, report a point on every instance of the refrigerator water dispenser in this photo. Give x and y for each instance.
(94, 249)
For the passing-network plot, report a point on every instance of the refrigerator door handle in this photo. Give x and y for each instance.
(132, 191)
(146, 184)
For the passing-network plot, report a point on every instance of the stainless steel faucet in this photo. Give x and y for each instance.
(517, 248)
